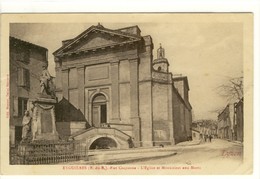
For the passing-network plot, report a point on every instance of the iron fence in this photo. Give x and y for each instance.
(48, 152)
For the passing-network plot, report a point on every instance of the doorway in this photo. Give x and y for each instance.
(99, 110)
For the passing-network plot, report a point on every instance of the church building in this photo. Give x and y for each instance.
(113, 93)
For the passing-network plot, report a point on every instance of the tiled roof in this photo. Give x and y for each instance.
(16, 40)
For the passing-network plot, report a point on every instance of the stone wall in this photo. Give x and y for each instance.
(188, 122)
(180, 120)
(145, 107)
(65, 129)
(162, 120)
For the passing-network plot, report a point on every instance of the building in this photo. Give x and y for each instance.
(113, 92)
(226, 123)
(231, 122)
(239, 121)
(26, 61)
(196, 135)
(182, 110)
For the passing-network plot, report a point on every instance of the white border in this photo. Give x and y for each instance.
(58, 6)
(81, 6)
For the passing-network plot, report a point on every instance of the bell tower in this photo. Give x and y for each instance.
(161, 63)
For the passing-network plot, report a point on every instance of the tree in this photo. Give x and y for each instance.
(232, 90)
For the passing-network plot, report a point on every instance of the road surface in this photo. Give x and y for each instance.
(219, 156)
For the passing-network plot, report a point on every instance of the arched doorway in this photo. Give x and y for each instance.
(103, 143)
(99, 110)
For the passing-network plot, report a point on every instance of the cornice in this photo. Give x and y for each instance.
(95, 49)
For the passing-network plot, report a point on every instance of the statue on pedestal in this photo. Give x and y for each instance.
(43, 125)
(39, 120)
(26, 125)
(46, 82)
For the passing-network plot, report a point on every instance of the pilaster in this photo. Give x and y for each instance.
(115, 90)
(170, 113)
(58, 79)
(81, 91)
(65, 83)
(134, 100)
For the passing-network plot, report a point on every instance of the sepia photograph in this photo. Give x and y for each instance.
(165, 93)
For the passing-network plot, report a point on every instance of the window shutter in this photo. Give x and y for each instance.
(23, 77)
(15, 106)
(21, 81)
(20, 107)
(27, 78)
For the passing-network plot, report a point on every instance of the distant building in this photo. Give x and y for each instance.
(205, 127)
(231, 122)
(113, 92)
(226, 123)
(26, 61)
(196, 135)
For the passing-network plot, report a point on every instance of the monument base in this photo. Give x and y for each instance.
(43, 119)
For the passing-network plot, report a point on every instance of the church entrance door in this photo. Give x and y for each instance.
(99, 110)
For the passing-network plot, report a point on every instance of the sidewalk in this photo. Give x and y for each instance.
(134, 158)
(236, 142)
(124, 156)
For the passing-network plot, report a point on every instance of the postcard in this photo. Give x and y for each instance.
(127, 93)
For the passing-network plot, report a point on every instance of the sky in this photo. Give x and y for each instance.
(208, 52)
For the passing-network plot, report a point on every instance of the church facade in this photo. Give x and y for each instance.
(111, 88)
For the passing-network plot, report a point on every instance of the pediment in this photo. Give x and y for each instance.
(95, 38)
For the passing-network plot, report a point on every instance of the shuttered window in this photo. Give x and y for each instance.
(15, 106)
(23, 77)
(22, 106)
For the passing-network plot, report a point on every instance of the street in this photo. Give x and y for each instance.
(219, 156)
(191, 157)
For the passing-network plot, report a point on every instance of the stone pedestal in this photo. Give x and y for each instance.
(43, 119)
